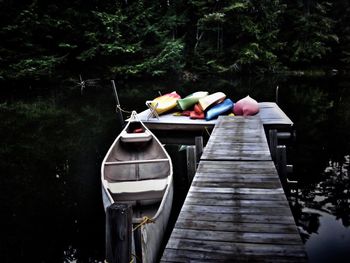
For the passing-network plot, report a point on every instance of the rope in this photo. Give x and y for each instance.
(145, 220)
(125, 111)
(206, 129)
(133, 258)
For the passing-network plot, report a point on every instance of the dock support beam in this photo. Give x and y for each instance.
(199, 147)
(118, 233)
(281, 163)
(193, 155)
(273, 143)
(191, 162)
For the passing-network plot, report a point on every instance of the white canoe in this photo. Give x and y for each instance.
(138, 170)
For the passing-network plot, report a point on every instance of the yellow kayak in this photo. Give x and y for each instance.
(165, 102)
(211, 100)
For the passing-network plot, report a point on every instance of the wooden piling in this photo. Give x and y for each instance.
(281, 163)
(273, 143)
(199, 147)
(191, 162)
(118, 233)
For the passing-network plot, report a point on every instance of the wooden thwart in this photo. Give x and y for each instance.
(137, 161)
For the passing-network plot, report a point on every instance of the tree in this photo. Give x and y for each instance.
(341, 15)
(308, 30)
(43, 38)
(237, 35)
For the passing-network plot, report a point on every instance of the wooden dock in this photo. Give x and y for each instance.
(236, 209)
(270, 115)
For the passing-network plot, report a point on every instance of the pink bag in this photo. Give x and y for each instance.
(246, 107)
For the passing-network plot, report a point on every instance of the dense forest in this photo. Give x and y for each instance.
(129, 38)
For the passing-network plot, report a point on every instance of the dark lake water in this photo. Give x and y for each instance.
(54, 140)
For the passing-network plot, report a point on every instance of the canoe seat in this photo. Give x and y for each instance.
(136, 137)
(145, 192)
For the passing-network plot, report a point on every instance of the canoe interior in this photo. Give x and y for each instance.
(144, 203)
(135, 172)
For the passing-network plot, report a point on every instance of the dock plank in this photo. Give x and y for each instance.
(234, 226)
(239, 248)
(240, 237)
(234, 217)
(236, 209)
(244, 140)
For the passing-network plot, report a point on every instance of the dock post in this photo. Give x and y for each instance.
(273, 143)
(118, 233)
(281, 163)
(191, 162)
(199, 147)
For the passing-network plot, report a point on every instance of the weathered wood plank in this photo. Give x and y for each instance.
(239, 249)
(236, 226)
(234, 203)
(231, 150)
(228, 190)
(248, 218)
(247, 178)
(242, 141)
(262, 185)
(237, 196)
(235, 210)
(242, 156)
(241, 178)
(234, 169)
(193, 255)
(271, 114)
(238, 136)
(241, 237)
(242, 145)
(239, 165)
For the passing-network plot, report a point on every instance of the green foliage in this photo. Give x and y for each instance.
(46, 39)
(238, 35)
(168, 60)
(341, 12)
(310, 31)
(36, 68)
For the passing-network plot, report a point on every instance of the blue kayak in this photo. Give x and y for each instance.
(219, 109)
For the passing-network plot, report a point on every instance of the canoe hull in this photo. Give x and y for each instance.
(153, 233)
(145, 181)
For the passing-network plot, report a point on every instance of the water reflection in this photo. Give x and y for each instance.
(52, 148)
(321, 157)
(329, 196)
(49, 176)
